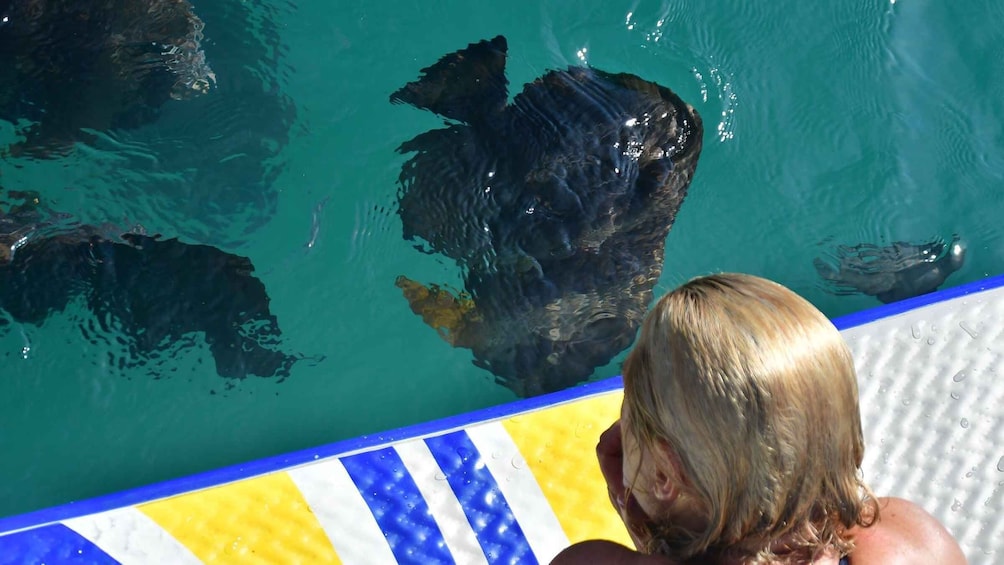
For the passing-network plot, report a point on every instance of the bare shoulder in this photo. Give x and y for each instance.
(602, 552)
(906, 533)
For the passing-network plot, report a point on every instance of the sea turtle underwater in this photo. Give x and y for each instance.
(894, 272)
(71, 65)
(556, 207)
(152, 291)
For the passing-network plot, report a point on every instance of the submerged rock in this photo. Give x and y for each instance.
(894, 272)
(154, 292)
(68, 66)
(556, 206)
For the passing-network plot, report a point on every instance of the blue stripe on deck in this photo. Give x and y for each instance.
(54, 544)
(489, 514)
(398, 506)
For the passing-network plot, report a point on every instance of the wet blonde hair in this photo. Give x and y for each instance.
(755, 392)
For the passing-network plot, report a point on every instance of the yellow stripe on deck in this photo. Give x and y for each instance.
(259, 520)
(559, 445)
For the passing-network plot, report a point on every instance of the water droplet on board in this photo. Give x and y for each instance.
(957, 505)
(955, 396)
(1000, 464)
(964, 423)
(906, 402)
(959, 377)
(930, 341)
(972, 333)
(915, 331)
(440, 476)
(518, 462)
(970, 472)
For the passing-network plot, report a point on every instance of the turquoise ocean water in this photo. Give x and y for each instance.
(826, 124)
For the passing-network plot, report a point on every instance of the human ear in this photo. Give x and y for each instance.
(669, 476)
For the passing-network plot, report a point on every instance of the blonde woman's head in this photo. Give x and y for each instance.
(752, 392)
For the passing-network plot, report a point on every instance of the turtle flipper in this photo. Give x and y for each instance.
(467, 85)
(452, 316)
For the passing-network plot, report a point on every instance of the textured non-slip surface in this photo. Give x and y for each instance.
(519, 488)
(932, 404)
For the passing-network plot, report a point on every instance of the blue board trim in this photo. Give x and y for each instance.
(232, 473)
(398, 506)
(887, 310)
(489, 514)
(54, 544)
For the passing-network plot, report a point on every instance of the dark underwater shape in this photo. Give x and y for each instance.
(99, 64)
(155, 290)
(894, 272)
(202, 168)
(555, 206)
